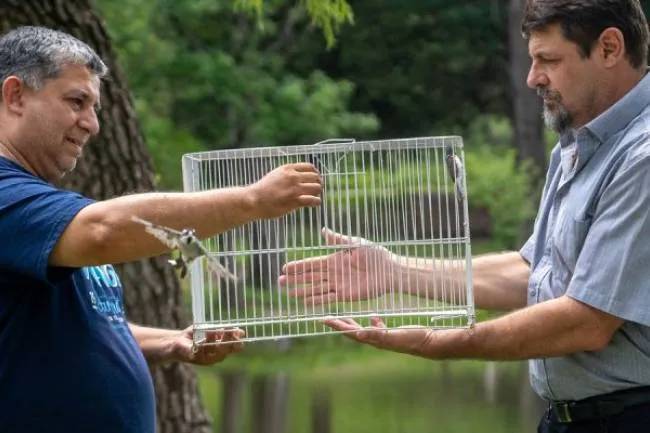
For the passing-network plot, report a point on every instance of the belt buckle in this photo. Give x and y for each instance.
(562, 411)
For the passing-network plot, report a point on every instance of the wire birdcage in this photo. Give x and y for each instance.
(406, 198)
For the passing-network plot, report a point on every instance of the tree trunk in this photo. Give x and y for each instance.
(526, 105)
(116, 163)
(321, 410)
(270, 403)
(234, 388)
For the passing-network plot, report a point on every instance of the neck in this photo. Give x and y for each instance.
(10, 152)
(611, 90)
(627, 80)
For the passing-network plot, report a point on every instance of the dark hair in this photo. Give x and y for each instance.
(582, 22)
(35, 54)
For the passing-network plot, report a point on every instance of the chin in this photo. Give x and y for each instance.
(66, 167)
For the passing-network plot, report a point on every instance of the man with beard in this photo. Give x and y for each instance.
(69, 360)
(580, 286)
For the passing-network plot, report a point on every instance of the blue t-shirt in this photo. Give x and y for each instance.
(68, 361)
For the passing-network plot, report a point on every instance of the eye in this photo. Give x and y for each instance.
(550, 61)
(76, 103)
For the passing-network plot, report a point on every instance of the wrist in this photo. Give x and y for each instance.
(172, 348)
(249, 202)
(399, 276)
(162, 350)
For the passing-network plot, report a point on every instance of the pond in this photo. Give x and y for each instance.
(331, 385)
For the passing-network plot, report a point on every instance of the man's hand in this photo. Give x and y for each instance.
(207, 353)
(167, 345)
(552, 328)
(403, 340)
(363, 271)
(285, 189)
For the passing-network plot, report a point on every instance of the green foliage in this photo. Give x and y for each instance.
(423, 67)
(328, 15)
(250, 6)
(168, 145)
(302, 111)
(496, 182)
(207, 77)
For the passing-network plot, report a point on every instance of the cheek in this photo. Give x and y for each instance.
(48, 125)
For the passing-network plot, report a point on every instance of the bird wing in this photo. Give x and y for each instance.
(166, 235)
(218, 269)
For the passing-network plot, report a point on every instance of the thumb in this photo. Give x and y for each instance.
(333, 238)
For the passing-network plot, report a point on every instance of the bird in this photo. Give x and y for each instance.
(188, 245)
(456, 172)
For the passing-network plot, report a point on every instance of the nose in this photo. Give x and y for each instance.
(89, 122)
(536, 78)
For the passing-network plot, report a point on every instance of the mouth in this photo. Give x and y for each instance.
(549, 96)
(78, 144)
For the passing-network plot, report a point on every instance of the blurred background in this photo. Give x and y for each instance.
(193, 75)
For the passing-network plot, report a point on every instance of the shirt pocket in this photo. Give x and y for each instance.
(566, 248)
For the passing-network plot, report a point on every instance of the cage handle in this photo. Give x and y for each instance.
(336, 141)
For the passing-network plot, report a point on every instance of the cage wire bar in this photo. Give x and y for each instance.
(398, 195)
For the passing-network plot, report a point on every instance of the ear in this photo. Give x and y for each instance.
(13, 91)
(610, 47)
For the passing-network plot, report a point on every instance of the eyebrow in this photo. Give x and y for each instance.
(85, 95)
(543, 53)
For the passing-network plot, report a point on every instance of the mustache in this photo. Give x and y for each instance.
(546, 93)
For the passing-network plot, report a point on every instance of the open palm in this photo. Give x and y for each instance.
(363, 270)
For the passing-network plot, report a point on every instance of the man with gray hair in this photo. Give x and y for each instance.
(69, 360)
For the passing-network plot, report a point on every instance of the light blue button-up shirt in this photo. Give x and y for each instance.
(592, 242)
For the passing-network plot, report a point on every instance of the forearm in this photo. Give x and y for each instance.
(104, 232)
(157, 344)
(110, 235)
(499, 280)
(553, 328)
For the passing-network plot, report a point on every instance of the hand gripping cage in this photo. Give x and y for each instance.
(398, 204)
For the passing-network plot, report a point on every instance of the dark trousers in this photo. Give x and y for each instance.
(634, 419)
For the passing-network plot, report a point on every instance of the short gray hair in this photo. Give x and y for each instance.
(35, 54)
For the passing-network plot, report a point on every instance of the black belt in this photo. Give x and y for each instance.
(599, 406)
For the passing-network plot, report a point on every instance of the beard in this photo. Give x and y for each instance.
(556, 116)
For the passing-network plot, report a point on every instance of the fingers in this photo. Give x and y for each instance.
(309, 177)
(218, 345)
(309, 200)
(343, 325)
(374, 335)
(304, 166)
(306, 174)
(309, 292)
(352, 330)
(232, 337)
(329, 298)
(333, 238)
(307, 265)
(213, 336)
(309, 277)
(311, 188)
